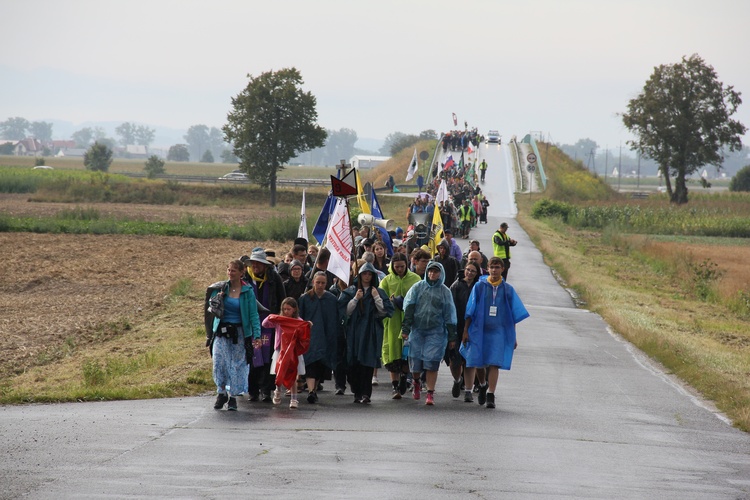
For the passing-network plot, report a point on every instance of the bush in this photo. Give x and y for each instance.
(741, 180)
(98, 157)
(154, 166)
(549, 208)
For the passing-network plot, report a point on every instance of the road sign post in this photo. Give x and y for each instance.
(531, 168)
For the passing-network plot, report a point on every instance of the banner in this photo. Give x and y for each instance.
(437, 230)
(361, 197)
(442, 193)
(455, 120)
(412, 167)
(302, 231)
(339, 242)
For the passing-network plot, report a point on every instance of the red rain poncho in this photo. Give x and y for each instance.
(295, 339)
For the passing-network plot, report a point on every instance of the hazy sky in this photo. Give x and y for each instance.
(564, 68)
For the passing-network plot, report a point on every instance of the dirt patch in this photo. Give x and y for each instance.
(58, 290)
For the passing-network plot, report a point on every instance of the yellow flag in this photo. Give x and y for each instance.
(361, 196)
(437, 230)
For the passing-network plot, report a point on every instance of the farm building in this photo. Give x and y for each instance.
(359, 161)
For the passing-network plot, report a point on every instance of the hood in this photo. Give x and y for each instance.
(369, 267)
(432, 264)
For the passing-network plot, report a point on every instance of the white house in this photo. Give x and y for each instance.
(360, 161)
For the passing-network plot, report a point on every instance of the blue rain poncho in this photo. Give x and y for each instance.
(492, 339)
(429, 317)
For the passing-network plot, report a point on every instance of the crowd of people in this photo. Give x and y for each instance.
(285, 326)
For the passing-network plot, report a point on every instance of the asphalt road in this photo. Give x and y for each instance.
(582, 414)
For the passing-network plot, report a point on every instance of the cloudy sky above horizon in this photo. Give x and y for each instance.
(564, 69)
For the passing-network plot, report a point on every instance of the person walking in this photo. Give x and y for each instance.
(430, 326)
(489, 336)
(233, 328)
(292, 339)
(460, 291)
(363, 306)
(483, 170)
(396, 284)
(319, 306)
(501, 244)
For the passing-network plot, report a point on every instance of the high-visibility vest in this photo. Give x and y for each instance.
(464, 215)
(501, 249)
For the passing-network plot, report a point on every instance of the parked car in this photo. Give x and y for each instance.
(234, 176)
(493, 136)
(43, 167)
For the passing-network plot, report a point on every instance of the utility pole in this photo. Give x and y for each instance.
(619, 168)
(638, 181)
(606, 162)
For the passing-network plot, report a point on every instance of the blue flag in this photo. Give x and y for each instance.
(321, 226)
(377, 213)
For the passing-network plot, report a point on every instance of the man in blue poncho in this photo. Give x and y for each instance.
(430, 325)
(489, 336)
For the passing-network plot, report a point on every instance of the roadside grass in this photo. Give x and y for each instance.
(161, 356)
(671, 280)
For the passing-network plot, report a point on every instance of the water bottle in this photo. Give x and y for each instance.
(405, 350)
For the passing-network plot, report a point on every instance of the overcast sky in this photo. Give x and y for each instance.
(564, 68)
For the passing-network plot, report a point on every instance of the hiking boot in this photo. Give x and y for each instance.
(417, 389)
(456, 392)
(221, 400)
(483, 394)
(312, 398)
(430, 399)
(490, 400)
(277, 397)
(293, 404)
(395, 394)
(468, 398)
(232, 406)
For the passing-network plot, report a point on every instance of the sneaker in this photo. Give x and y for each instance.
(277, 397)
(483, 394)
(266, 397)
(375, 380)
(395, 394)
(288, 392)
(293, 404)
(312, 397)
(468, 398)
(253, 397)
(221, 400)
(490, 400)
(430, 399)
(402, 384)
(357, 399)
(456, 392)
(417, 389)
(365, 400)
(339, 391)
(232, 406)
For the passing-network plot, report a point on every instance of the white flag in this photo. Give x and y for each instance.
(412, 166)
(302, 231)
(339, 242)
(442, 193)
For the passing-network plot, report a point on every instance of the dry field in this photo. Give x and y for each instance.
(58, 287)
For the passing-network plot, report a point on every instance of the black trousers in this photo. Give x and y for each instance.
(261, 380)
(360, 379)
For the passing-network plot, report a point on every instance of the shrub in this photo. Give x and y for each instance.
(154, 166)
(98, 157)
(549, 208)
(741, 180)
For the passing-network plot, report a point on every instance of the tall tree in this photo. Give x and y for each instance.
(83, 137)
(14, 128)
(216, 142)
(126, 131)
(41, 130)
(682, 120)
(154, 166)
(271, 121)
(178, 152)
(98, 157)
(144, 135)
(197, 140)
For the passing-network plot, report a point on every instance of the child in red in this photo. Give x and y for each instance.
(292, 341)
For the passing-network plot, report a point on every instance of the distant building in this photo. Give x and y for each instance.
(74, 152)
(360, 161)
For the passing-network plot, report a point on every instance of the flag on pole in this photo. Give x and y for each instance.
(455, 120)
(361, 197)
(412, 167)
(449, 162)
(302, 231)
(321, 225)
(470, 149)
(442, 193)
(437, 230)
(339, 241)
(378, 214)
